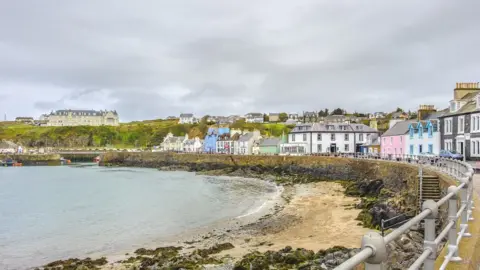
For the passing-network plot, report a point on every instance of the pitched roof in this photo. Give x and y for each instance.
(329, 127)
(437, 114)
(270, 141)
(254, 115)
(245, 137)
(186, 115)
(400, 128)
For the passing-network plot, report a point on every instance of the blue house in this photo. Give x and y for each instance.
(210, 143)
(423, 137)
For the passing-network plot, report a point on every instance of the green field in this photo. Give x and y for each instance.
(126, 135)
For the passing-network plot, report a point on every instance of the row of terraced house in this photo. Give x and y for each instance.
(456, 128)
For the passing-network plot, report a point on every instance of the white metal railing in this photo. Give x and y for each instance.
(374, 245)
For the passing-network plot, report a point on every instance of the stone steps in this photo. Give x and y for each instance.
(430, 189)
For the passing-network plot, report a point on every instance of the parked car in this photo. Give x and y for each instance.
(427, 156)
(451, 154)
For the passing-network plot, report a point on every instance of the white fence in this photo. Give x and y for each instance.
(374, 245)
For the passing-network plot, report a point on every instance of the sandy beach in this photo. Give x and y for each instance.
(313, 216)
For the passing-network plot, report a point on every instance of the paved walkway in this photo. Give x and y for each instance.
(476, 183)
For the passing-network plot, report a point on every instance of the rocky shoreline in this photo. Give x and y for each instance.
(214, 250)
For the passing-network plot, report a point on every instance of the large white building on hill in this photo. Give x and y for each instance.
(81, 118)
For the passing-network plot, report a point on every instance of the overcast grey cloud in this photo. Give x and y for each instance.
(150, 59)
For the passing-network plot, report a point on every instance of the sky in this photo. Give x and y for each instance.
(150, 59)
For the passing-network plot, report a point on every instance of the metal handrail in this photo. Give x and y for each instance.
(374, 245)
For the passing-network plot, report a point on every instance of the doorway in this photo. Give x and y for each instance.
(460, 147)
(333, 148)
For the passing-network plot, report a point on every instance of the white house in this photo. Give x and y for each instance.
(254, 118)
(423, 137)
(187, 118)
(8, 147)
(173, 143)
(228, 143)
(193, 145)
(246, 142)
(327, 138)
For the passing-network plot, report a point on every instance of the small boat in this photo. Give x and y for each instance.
(17, 164)
(9, 162)
(96, 159)
(64, 161)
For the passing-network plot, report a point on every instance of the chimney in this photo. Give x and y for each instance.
(424, 111)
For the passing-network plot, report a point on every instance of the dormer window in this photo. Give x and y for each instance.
(453, 106)
(411, 132)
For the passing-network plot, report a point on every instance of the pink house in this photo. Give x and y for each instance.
(393, 141)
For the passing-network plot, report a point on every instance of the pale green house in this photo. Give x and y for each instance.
(271, 146)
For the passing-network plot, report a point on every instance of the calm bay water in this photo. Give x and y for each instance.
(50, 213)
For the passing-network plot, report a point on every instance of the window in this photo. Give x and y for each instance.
(319, 148)
(448, 145)
(391, 140)
(360, 137)
(475, 123)
(332, 137)
(430, 148)
(430, 131)
(293, 137)
(411, 149)
(346, 148)
(448, 126)
(461, 124)
(475, 147)
(401, 138)
(319, 137)
(346, 137)
(420, 148)
(304, 137)
(453, 106)
(420, 132)
(411, 132)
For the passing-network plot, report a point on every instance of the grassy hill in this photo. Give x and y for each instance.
(126, 135)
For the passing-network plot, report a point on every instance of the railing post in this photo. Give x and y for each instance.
(376, 242)
(452, 234)
(464, 199)
(429, 241)
(470, 196)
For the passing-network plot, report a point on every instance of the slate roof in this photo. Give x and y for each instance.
(400, 128)
(333, 127)
(274, 114)
(469, 107)
(186, 115)
(227, 137)
(270, 141)
(245, 137)
(82, 112)
(254, 115)
(437, 114)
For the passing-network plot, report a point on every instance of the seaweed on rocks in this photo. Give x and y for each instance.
(289, 258)
(74, 264)
(214, 250)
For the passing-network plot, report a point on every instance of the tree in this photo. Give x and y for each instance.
(195, 132)
(399, 109)
(283, 117)
(326, 112)
(338, 111)
(266, 118)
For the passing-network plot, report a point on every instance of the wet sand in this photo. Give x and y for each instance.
(313, 216)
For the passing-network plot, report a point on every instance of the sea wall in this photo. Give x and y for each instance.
(34, 160)
(397, 176)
